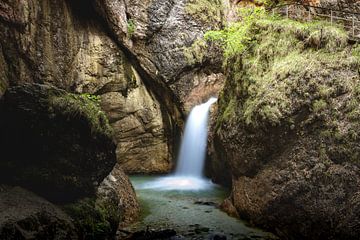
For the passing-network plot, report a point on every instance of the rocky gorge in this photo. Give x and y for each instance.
(92, 91)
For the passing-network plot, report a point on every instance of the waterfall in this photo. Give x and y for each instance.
(188, 174)
(193, 146)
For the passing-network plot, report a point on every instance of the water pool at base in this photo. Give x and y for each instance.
(193, 214)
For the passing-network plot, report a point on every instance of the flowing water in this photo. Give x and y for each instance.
(193, 146)
(186, 201)
(193, 214)
(189, 170)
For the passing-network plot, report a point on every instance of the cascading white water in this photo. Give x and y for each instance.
(193, 146)
(188, 174)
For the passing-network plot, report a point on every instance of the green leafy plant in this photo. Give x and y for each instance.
(94, 98)
(236, 36)
(131, 27)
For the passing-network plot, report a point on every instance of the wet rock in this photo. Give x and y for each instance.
(217, 236)
(161, 32)
(153, 234)
(23, 215)
(205, 203)
(65, 45)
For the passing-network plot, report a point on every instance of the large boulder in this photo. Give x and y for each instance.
(287, 131)
(55, 143)
(23, 215)
(116, 190)
(67, 156)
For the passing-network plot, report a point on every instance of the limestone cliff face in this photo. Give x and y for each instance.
(287, 131)
(63, 43)
(158, 32)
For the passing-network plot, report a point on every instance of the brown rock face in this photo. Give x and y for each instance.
(142, 144)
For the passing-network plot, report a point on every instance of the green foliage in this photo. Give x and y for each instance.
(205, 11)
(94, 219)
(131, 27)
(292, 76)
(277, 66)
(84, 106)
(239, 36)
(235, 38)
(94, 98)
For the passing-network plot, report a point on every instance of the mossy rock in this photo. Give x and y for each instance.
(57, 144)
(94, 219)
(288, 126)
(206, 11)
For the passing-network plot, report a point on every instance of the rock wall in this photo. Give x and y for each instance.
(287, 131)
(64, 43)
(157, 33)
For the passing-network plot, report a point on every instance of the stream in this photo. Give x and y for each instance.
(193, 214)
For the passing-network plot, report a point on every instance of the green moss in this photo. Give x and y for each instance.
(319, 105)
(205, 11)
(94, 219)
(131, 27)
(278, 66)
(196, 52)
(83, 106)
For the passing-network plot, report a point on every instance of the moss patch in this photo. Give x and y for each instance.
(205, 11)
(131, 27)
(94, 219)
(195, 54)
(82, 106)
